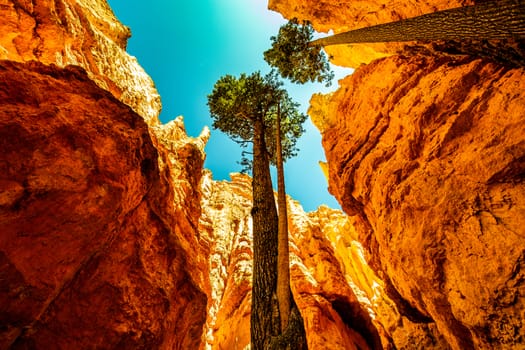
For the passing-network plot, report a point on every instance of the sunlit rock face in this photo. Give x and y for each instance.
(81, 33)
(226, 224)
(430, 162)
(426, 153)
(329, 297)
(343, 15)
(91, 250)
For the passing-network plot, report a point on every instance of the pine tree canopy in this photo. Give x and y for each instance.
(236, 102)
(295, 58)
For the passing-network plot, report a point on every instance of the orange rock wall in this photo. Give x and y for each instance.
(99, 204)
(427, 154)
(112, 237)
(433, 167)
(333, 315)
(81, 33)
(91, 250)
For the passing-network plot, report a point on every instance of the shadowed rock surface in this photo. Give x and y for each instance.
(90, 250)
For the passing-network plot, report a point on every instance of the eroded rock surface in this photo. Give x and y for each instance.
(333, 315)
(81, 33)
(91, 250)
(111, 238)
(425, 150)
(431, 163)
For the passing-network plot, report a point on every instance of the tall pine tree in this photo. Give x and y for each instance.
(246, 109)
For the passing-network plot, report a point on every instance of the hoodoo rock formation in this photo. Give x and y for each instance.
(326, 294)
(113, 236)
(426, 152)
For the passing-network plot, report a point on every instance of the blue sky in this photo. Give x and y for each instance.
(185, 46)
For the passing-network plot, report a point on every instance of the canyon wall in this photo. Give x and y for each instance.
(113, 236)
(110, 236)
(332, 311)
(81, 33)
(99, 204)
(91, 250)
(433, 170)
(426, 152)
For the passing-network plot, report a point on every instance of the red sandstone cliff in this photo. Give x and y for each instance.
(91, 250)
(426, 152)
(99, 246)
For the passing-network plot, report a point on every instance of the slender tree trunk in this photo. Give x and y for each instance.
(500, 19)
(293, 334)
(265, 311)
(283, 260)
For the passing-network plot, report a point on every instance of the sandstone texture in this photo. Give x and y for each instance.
(425, 151)
(113, 236)
(90, 246)
(433, 168)
(81, 33)
(99, 204)
(226, 223)
(332, 311)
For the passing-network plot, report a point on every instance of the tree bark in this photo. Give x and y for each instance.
(501, 19)
(265, 322)
(283, 260)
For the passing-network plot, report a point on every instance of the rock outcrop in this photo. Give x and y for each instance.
(81, 33)
(425, 151)
(433, 168)
(332, 311)
(91, 246)
(99, 204)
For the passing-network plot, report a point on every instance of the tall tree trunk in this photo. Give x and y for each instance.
(265, 311)
(293, 334)
(500, 19)
(283, 260)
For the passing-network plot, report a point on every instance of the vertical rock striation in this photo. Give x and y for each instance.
(334, 317)
(227, 223)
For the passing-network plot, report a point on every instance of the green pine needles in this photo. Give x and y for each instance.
(293, 55)
(236, 102)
